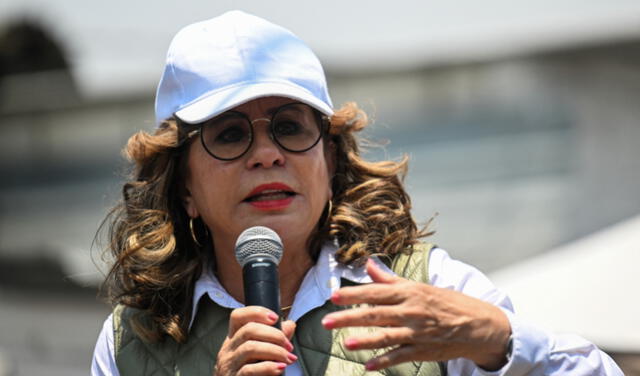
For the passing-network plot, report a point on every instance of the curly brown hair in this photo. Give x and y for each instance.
(156, 262)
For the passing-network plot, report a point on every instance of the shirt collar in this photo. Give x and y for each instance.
(317, 286)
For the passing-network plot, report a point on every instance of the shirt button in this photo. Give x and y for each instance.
(218, 294)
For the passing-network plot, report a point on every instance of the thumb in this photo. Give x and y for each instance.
(288, 327)
(378, 275)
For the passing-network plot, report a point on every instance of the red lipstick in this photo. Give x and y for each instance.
(271, 196)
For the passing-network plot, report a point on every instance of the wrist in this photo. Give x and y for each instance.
(496, 360)
(500, 348)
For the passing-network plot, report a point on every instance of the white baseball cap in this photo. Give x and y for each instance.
(215, 65)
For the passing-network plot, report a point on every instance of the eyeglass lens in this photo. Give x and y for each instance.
(294, 127)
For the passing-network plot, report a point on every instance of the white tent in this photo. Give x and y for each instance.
(589, 287)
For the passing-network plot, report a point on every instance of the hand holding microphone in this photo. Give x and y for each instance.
(255, 344)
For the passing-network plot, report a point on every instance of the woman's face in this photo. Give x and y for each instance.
(267, 186)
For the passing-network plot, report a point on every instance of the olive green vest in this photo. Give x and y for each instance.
(320, 351)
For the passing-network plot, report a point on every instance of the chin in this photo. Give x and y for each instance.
(285, 226)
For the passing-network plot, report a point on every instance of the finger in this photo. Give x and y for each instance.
(380, 339)
(262, 368)
(378, 275)
(242, 316)
(254, 351)
(288, 328)
(364, 316)
(398, 355)
(373, 293)
(254, 331)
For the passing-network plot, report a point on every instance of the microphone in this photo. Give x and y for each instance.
(259, 250)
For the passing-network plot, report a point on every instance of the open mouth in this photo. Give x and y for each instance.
(270, 195)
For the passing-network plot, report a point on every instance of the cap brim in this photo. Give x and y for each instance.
(218, 102)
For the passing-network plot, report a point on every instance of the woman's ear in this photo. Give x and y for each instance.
(331, 155)
(184, 189)
(188, 202)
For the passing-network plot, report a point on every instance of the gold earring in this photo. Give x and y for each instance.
(193, 233)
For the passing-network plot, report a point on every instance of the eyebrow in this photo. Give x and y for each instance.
(273, 110)
(270, 111)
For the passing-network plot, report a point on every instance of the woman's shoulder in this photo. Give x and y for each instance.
(103, 362)
(121, 313)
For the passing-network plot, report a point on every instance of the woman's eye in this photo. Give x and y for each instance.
(287, 128)
(231, 135)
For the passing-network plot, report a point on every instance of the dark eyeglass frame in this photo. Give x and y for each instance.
(322, 122)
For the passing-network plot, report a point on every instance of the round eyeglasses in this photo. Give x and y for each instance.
(295, 127)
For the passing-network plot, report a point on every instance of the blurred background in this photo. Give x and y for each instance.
(521, 120)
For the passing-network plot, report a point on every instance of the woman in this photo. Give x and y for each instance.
(248, 136)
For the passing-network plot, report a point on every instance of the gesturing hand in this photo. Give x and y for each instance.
(422, 322)
(253, 346)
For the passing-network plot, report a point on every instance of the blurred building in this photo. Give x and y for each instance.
(522, 135)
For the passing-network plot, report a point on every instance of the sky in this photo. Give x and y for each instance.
(119, 45)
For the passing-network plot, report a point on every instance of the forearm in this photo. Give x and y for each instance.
(535, 351)
(538, 352)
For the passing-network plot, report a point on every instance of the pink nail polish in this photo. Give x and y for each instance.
(288, 346)
(351, 343)
(281, 366)
(272, 316)
(328, 323)
(292, 357)
(370, 366)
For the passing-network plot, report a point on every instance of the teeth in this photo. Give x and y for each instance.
(270, 195)
(268, 191)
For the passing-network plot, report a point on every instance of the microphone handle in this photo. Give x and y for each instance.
(261, 286)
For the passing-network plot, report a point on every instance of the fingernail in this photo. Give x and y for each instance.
(335, 297)
(328, 323)
(292, 357)
(272, 316)
(370, 365)
(281, 366)
(351, 343)
(289, 346)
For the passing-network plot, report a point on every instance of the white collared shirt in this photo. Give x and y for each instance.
(535, 351)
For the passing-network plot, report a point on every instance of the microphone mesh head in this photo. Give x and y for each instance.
(258, 241)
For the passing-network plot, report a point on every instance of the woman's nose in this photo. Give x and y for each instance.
(264, 151)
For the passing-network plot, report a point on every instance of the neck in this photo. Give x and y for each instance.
(294, 265)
